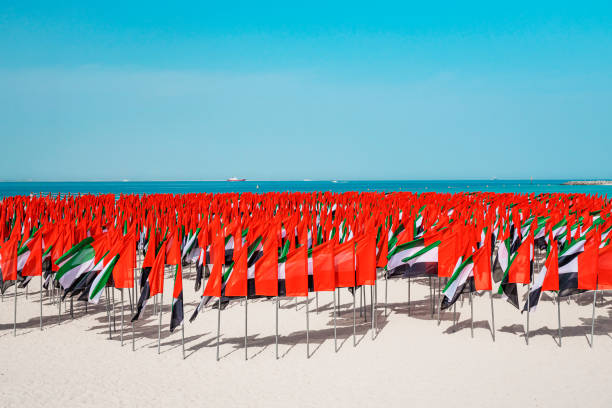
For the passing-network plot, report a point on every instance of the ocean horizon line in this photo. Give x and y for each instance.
(304, 180)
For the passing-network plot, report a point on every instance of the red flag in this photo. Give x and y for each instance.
(366, 260)
(178, 281)
(8, 259)
(33, 266)
(123, 272)
(482, 267)
(383, 249)
(448, 253)
(266, 269)
(587, 265)
(344, 264)
(604, 268)
(296, 272)
(551, 280)
(237, 282)
(214, 283)
(174, 250)
(156, 276)
(323, 267)
(520, 268)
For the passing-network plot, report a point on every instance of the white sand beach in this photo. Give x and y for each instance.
(411, 362)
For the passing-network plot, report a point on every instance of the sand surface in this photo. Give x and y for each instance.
(411, 362)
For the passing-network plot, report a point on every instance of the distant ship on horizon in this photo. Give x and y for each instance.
(235, 179)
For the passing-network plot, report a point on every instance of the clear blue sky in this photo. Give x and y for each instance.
(149, 90)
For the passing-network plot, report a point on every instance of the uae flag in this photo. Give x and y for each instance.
(397, 264)
(214, 285)
(546, 279)
(282, 260)
(425, 260)
(191, 249)
(199, 269)
(461, 281)
(500, 274)
(108, 263)
(32, 264)
(236, 283)
(154, 278)
(174, 258)
(568, 267)
(255, 253)
(79, 260)
(176, 317)
(99, 283)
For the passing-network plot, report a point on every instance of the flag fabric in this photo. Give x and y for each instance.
(79, 260)
(546, 279)
(237, 283)
(482, 267)
(174, 257)
(365, 252)
(296, 272)
(461, 281)
(176, 315)
(8, 263)
(154, 281)
(33, 265)
(568, 267)
(266, 269)
(344, 264)
(324, 275)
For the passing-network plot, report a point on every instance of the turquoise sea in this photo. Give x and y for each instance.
(179, 187)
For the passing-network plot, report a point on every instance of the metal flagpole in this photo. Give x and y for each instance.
(386, 289)
(365, 304)
(108, 313)
(360, 302)
(373, 314)
(354, 326)
(431, 298)
(15, 314)
(409, 296)
(339, 304)
(131, 303)
(161, 308)
(439, 315)
(559, 316)
(121, 317)
(59, 308)
(218, 324)
(133, 291)
(183, 337)
(246, 319)
(528, 307)
(492, 315)
(114, 314)
(71, 307)
(317, 301)
(471, 315)
(593, 318)
(276, 307)
(307, 328)
(41, 299)
(335, 331)
(454, 313)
